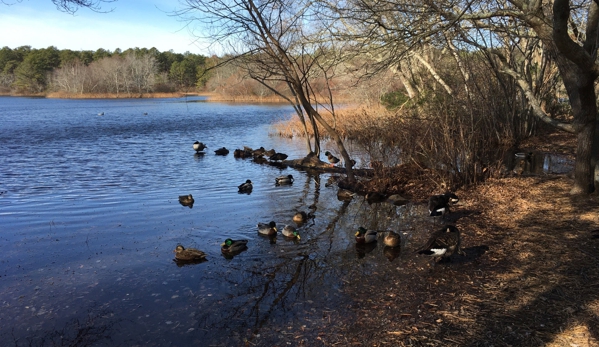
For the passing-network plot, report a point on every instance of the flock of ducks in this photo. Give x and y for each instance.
(247, 152)
(442, 243)
(232, 247)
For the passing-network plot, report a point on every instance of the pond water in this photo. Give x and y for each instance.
(89, 219)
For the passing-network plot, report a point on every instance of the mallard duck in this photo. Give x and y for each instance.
(300, 217)
(284, 179)
(259, 152)
(270, 152)
(242, 153)
(345, 195)
(269, 229)
(278, 157)
(290, 231)
(188, 254)
(332, 159)
(392, 239)
(366, 236)
(443, 243)
(246, 187)
(186, 200)
(199, 146)
(233, 246)
(438, 205)
(221, 151)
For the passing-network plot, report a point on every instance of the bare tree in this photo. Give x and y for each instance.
(510, 33)
(275, 40)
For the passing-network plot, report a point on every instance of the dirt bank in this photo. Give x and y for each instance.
(530, 277)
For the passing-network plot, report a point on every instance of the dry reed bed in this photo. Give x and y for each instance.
(64, 95)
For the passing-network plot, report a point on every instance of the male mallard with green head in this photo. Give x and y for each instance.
(366, 236)
(290, 232)
(186, 200)
(233, 246)
(188, 254)
(443, 243)
(392, 239)
(269, 229)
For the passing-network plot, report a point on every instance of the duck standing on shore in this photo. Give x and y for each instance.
(332, 159)
(438, 205)
(443, 243)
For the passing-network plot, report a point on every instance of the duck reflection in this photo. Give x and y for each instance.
(364, 248)
(391, 252)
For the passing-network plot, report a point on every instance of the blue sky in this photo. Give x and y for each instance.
(130, 24)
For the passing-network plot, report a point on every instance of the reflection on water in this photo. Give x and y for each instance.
(90, 216)
(538, 163)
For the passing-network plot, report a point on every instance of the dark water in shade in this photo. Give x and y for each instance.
(89, 219)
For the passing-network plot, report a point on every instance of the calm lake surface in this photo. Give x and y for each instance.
(89, 219)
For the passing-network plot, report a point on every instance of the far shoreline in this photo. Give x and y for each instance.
(214, 97)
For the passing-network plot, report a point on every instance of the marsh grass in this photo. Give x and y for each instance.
(453, 145)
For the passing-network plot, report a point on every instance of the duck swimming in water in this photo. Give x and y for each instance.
(284, 180)
(188, 254)
(392, 239)
(290, 232)
(366, 236)
(233, 246)
(186, 200)
(246, 187)
(221, 151)
(300, 217)
(269, 229)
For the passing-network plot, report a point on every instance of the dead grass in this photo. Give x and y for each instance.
(63, 95)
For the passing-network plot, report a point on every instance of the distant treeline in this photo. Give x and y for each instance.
(25, 70)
